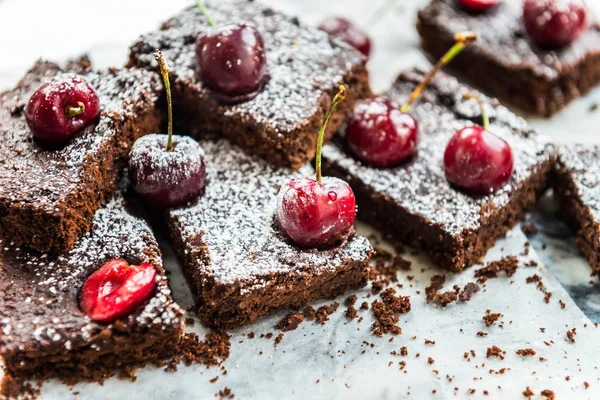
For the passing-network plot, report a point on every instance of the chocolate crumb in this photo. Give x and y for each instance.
(385, 312)
(492, 269)
(529, 229)
(495, 351)
(427, 341)
(586, 385)
(290, 322)
(482, 334)
(562, 304)
(490, 318)
(226, 393)
(430, 360)
(548, 394)
(528, 393)
(571, 335)
(364, 306)
(278, 339)
(526, 352)
(350, 300)
(351, 312)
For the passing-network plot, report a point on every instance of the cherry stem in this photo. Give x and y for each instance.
(74, 111)
(462, 39)
(164, 71)
(339, 97)
(484, 115)
(204, 11)
(379, 12)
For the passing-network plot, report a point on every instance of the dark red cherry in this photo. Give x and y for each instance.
(477, 160)
(231, 61)
(348, 32)
(167, 178)
(478, 5)
(379, 134)
(316, 214)
(116, 290)
(554, 23)
(60, 108)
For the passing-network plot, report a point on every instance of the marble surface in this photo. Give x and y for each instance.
(342, 359)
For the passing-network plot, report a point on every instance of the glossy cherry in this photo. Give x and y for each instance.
(167, 170)
(348, 32)
(478, 5)
(477, 160)
(116, 290)
(381, 135)
(60, 108)
(231, 61)
(317, 212)
(554, 23)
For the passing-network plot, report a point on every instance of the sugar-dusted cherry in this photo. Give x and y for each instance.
(61, 108)
(116, 289)
(478, 5)
(380, 134)
(554, 23)
(317, 213)
(478, 161)
(348, 32)
(167, 170)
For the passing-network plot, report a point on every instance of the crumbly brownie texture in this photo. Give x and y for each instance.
(505, 62)
(48, 197)
(43, 333)
(577, 189)
(415, 203)
(240, 266)
(305, 68)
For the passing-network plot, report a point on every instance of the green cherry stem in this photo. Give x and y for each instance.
(202, 8)
(73, 111)
(339, 97)
(484, 115)
(462, 39)
(164, 71)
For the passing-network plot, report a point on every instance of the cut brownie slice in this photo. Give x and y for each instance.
(505, 62)
(240, 266)
(577, 189)
(304, 67)
(43, 333)
(48, 197)
(415, 203)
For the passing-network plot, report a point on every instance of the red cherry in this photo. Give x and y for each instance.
(231, 61)
(477, 160)
(478, 5)
(314, 214)
(348, 32)
(380, 134)
(554, 23)
(60, 108)
(116, 290)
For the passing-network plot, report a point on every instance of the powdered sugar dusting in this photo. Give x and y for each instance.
(235, 219)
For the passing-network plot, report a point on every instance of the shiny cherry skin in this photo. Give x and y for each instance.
(554, 23)
(348, 32)
(166, 179)
(478, 161)
(478, 5)
(116, 290)
(60, 108)
(381, 135)
(313, 214)
(231, 61)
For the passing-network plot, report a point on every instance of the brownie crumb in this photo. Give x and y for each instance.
(386, 311)
(586, 385)
(213, 380)
(529, 229)
(189, 321)
(468, 291)
(278, 339)
(562, 304)
(364, 306)
(526, 352)
(540, 286)
(528, 393)
(290, 322)
(226, 393)
(403, 351)
(571, 335)
(548, 394)
(251, 335)
(495, 351)
(492, 269)
(350, 300)
(482, 334)
(321, 315)
(351, 312)
(386, 268)
(437, 283)
(427, 341)
(213, 351)
(594, 107)
(490, 318)
(430, 361)
(13, 387)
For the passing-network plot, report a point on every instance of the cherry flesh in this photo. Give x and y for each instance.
(316, 214)
(348, 32)
(231, 61)
(478, 161)
(554, 23)
(116, 290)
(60, 108)
(167, 178)
(478, 5)
(381, 135)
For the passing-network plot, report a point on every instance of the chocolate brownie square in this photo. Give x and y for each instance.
(48, 197)
(304, 68)
(417, 205)
(43, 332)
(239, 264)
(577, 188)
(505, 62)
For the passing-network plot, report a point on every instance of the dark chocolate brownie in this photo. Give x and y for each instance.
(577, 189)
(48, 197)
(43, 332)
(505, 62)
(304, 66)
(415, 203)
(240, 266)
